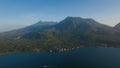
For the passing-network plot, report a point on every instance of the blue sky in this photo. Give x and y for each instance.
(16, 14)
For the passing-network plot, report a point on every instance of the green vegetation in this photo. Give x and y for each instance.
(70, 33)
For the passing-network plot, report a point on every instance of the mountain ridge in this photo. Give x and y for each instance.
(71, 32)
(117, 27)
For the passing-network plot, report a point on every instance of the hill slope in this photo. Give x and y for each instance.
(70, 33)
(32, 28)
(117, 27)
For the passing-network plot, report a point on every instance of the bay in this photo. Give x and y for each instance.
(86, 57)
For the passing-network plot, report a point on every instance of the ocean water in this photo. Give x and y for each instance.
(86, 57)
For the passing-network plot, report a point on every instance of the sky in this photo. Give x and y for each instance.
(15, 14)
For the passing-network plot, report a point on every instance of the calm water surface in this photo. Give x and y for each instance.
(87, 57)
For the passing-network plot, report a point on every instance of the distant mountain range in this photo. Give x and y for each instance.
(72, 32)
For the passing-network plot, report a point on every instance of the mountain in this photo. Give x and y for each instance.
(76, 31)
(32, 28)
(117, 27)
(69, 33)
(39, 26)
(85, 25)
